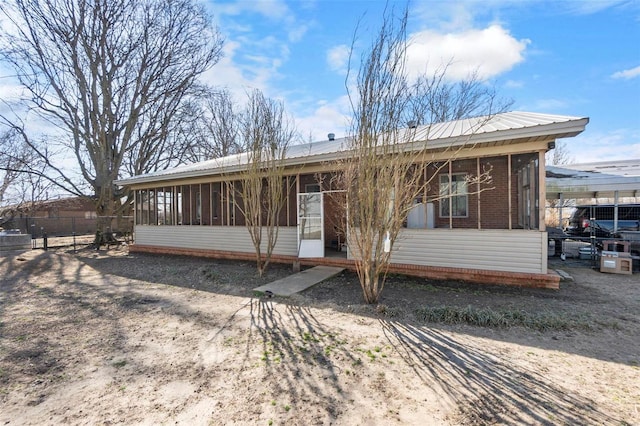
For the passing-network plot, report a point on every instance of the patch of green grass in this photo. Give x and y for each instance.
(371, 355)
(487, 317)
(308, 337)
(268, 355)
(119, 364)
(287, 407)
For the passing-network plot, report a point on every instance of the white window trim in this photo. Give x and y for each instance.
(445, 198)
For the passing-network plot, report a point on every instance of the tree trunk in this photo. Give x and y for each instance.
(105, 209)
(369, 282)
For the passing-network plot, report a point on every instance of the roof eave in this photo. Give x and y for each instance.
(562, 129)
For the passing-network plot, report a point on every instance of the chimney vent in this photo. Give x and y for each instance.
(412, 124)
(331, 136)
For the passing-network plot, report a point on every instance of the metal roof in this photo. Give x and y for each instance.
(618, 168)
(499, 128)
(594, 180)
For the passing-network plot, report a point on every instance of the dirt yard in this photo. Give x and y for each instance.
(111, 338)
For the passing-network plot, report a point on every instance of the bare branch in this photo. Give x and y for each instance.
(110, 76)
(388, 165)
(266, 132)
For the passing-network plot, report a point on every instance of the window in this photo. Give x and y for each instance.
(454, 193)
(312, 187)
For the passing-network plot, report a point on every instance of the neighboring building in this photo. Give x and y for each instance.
(57, 217)
(476, 234)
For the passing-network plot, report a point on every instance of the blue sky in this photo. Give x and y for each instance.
(579, 58)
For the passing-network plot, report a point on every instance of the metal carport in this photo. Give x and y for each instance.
(611, 180)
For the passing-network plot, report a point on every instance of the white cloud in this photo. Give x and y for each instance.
(591, 7)
(627, 74)
(297, 31)
(514, 84)
(273, 9)
(327, 117)
(338, 58)
(549, 104)
(489, 52)
(237, 78)
(619, 144)
(10, 89)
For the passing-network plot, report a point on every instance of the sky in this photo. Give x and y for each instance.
(576, 58)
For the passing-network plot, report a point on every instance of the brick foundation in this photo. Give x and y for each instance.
(479, 276)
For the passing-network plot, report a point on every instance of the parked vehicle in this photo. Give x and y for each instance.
(581, 225)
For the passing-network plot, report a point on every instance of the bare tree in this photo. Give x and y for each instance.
(11, 162)
(213, 127)
(21, 183)
(19, 169)
(554, 218)
(387, 167)
(109, 77)
(266, 133)
(447, 101)
(559, 155)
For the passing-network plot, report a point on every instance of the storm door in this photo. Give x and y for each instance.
(310, 225)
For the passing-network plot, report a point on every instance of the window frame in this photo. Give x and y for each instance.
(446, 179)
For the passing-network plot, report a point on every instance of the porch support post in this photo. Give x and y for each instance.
(450, 200)
(288, 200)
(135, 208)
(509, 190)
(542, 191)
(228, 204)
(425, 195)
(479, 204)
(615, 211)
(561, 201)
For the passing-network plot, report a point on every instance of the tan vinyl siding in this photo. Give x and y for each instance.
(224, 238)
(495, 250)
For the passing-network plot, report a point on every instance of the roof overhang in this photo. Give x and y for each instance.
(462, 137)
(573, 183)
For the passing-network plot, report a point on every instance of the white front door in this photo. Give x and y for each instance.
(310, 225)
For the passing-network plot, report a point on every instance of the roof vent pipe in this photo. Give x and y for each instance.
(331, 136)
(412, 124)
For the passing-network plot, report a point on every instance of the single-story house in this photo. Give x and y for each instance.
(56, 216)
(479, 234)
